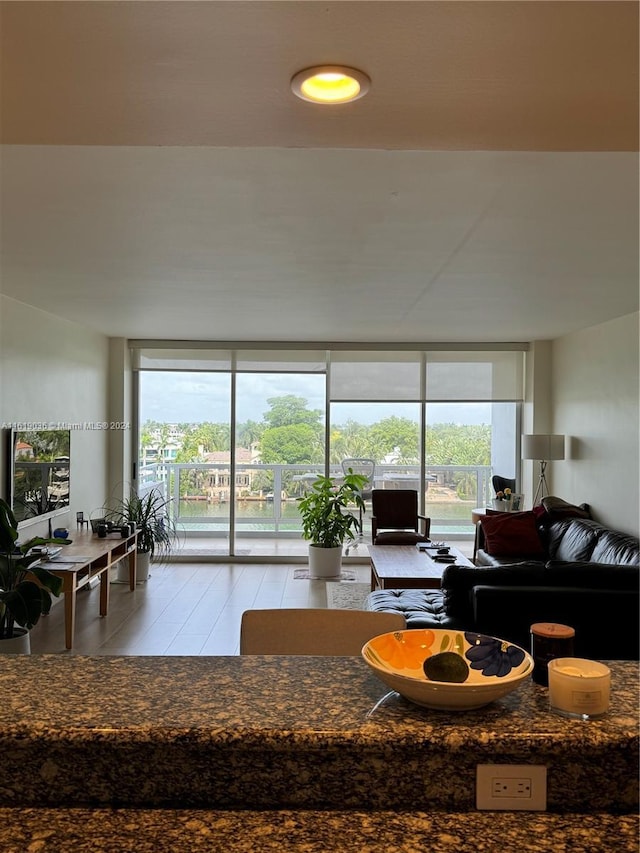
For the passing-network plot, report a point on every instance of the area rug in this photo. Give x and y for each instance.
(347, 596)
(345, 575)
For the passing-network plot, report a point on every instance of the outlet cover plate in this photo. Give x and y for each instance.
(511, 787)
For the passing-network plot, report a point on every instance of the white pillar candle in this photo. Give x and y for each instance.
(579, 687)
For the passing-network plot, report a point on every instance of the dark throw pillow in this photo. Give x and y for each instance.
(512, 534)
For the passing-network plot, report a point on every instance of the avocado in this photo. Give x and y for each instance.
(446, 666)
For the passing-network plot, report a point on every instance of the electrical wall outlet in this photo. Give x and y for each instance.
(511, 787)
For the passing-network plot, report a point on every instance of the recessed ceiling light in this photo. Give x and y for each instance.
(330, 84)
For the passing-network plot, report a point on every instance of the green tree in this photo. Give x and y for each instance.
(163, 441)
(249, 432)
(199, 440)
(146, 440)
(349, 440)
(289, 410)
(459, 444)
(396, 434)
(203, 438)
(292, 445)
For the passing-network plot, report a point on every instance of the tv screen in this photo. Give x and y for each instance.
(40, 467)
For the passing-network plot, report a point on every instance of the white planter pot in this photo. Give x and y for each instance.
(143, 558)
(502, 506)
(325, 562)
(20, 644)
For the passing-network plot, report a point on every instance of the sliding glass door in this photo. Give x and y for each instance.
(279, 450)
(185, 450)
(236, 436)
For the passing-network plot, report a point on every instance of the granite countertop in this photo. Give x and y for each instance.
(198, 831)
(286, 732)
(328, 697)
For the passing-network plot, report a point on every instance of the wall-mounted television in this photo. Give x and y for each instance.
(40, 465)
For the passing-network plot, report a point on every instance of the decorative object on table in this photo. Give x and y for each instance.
(502, 501)
(98, 520)
(543, 448)
(61, 533)
(327, 523)
(495, 667)
(549, 640)
(151, 515)
(579, 688)
(22, 601)
(81, 520)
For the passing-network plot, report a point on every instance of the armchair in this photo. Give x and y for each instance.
(395, 519)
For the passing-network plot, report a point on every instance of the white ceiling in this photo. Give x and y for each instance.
(159, 179)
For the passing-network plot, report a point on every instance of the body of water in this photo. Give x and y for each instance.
(260, 515)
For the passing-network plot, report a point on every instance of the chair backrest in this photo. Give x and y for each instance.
(366, 467)
(501, 483)
(395, 509)
(313, 631)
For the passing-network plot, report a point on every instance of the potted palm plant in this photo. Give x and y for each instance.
(22, 600)
(156, 531)
(327, 523)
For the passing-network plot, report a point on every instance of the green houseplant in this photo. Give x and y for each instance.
(22, 601)
(156, 531)
(326, 521)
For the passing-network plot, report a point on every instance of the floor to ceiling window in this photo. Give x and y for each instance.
(185, 447)
(280, 440)
(236, 436)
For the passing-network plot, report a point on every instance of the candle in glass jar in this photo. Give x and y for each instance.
(579, 687)
(549, 640)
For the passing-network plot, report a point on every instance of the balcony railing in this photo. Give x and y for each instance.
(265, 495)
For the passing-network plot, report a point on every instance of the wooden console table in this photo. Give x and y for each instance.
(94, 558)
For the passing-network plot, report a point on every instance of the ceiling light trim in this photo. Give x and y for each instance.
(330, 84)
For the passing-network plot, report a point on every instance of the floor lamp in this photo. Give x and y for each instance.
(544, 448)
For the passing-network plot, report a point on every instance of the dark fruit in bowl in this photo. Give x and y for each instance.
(446, 666)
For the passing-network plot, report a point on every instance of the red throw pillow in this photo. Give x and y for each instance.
(512, 534)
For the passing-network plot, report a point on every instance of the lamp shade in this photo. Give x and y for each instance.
(543, 447)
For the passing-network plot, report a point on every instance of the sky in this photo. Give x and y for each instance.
(170, 397)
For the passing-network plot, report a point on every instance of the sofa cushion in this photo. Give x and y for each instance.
(484, 560)
(605, 620)
(616, 548)
(458, 582)
(512, 534)
(399, 537)
(595, 575)
(572, 539)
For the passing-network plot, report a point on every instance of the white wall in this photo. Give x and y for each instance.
(56, 371)
(595, 403)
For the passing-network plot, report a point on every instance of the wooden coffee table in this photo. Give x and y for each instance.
(405, 567)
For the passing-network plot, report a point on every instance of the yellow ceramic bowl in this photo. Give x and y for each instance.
(496, 667)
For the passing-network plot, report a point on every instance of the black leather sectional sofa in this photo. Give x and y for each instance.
(585, 575)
